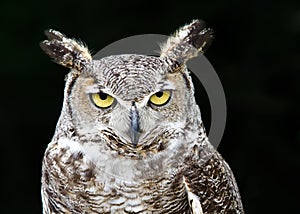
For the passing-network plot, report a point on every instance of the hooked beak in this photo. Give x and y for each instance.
(134, 129)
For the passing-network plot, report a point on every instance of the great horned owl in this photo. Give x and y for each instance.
(130, 137)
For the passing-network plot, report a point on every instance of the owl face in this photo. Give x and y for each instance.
(135, 97)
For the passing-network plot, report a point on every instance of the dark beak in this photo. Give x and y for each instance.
(134, 125)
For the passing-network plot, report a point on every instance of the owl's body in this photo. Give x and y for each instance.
(130, 137)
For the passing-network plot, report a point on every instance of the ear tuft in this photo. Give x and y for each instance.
(67, 52)
(188, 41)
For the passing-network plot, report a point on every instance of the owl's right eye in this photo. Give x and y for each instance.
(102, 100)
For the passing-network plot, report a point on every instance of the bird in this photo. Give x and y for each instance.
(130, 138)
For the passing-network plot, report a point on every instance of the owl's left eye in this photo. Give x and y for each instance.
(160, 98)
(102, 100)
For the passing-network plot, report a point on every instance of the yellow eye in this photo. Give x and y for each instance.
(102, 100)
(160, 98)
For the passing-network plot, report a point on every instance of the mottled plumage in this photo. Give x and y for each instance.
(130, 137)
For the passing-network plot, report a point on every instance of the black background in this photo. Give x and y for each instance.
(256, 55)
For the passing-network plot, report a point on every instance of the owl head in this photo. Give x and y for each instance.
(133, 104)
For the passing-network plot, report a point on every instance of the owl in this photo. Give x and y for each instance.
(130, 138)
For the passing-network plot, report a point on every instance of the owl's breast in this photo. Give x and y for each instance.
(72, 182)
(159, 195)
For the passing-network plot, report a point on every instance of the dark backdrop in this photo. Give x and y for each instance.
(255, 55)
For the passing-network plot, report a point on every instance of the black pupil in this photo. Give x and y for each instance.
(159, 94)
(103, 96)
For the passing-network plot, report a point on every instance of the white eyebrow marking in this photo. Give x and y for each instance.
(166, 85)
(92, 89)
